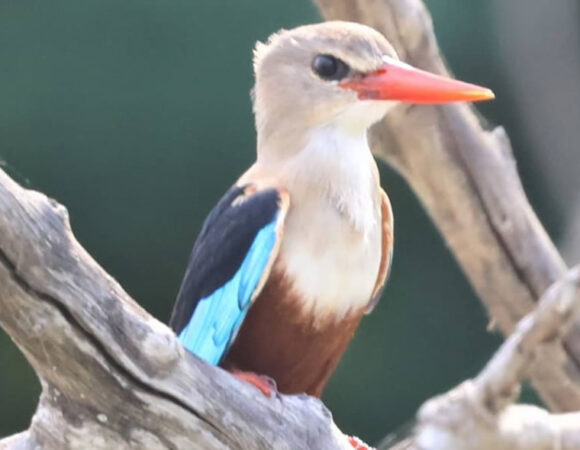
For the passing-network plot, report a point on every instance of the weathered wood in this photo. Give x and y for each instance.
(466, 178)
(479, 414)
(112, 376)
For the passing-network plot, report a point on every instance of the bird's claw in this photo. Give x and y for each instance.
(357, 444)
(264, 383)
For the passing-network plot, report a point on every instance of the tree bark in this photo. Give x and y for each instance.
(479, 414)
(112, 376)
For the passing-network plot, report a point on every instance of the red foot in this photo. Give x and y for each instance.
(266, 384)
(357, 444)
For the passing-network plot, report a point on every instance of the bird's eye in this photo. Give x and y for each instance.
(329, 68)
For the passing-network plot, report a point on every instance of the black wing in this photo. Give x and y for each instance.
(221, 249)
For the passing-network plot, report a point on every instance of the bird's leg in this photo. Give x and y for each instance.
(357, 444)
(264, 383)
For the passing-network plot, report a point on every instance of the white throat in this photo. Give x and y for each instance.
(335, 165)
(343, 165)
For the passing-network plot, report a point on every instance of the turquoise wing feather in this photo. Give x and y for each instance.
(229, 262)
(218, 317)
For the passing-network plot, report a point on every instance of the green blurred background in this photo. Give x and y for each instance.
(136, 116)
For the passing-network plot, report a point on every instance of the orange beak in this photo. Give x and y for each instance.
(398, 81)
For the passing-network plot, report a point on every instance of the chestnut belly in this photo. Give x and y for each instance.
(276, 339)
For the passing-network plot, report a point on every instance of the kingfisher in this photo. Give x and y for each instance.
(298, 250)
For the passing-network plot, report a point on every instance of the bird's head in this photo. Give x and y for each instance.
(339, 73)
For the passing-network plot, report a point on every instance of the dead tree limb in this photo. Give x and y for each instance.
(467, 180)
(112, 376)
(479, 414)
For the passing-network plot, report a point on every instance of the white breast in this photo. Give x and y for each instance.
(332, 240)
(333, 267)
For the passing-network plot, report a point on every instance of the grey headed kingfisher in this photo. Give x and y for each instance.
(298, 250)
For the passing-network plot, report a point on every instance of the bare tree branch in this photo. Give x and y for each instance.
(466, 178)
(479, 414)
(112, 376)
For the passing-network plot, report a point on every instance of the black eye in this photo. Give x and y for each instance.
(328, 67)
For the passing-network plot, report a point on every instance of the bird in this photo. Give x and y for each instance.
(299, 248)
